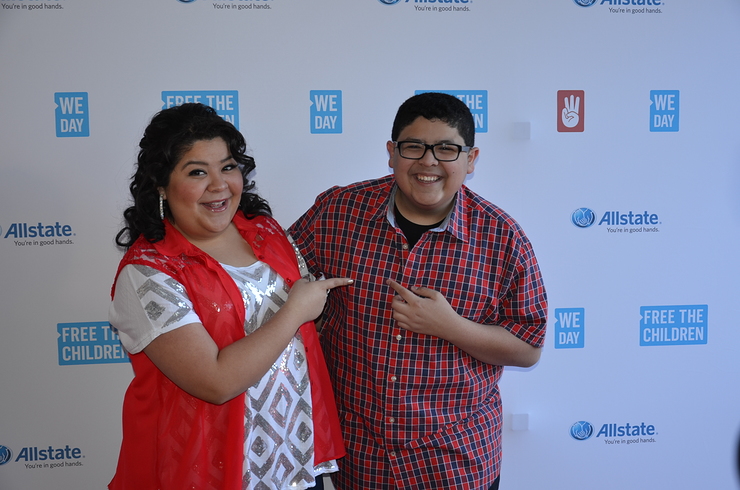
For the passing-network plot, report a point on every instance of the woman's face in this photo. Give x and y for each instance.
(204, 190)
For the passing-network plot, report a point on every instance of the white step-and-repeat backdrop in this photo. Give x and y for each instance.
(609, 129)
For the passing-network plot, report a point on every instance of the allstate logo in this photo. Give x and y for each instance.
(389, 2)
(186, 1)
(583, 217)
(580, 431)
(584, 3)
(5, 455)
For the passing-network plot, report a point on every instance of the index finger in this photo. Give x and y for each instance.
(402, 291)
(335, 282)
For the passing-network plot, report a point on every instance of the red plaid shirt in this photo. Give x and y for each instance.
(418, 412)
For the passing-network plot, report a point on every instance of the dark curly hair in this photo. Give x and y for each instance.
(171, 133)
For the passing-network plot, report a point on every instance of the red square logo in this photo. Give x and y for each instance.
(571, 110)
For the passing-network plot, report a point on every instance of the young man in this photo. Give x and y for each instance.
(447, 291)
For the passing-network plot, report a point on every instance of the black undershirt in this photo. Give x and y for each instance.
(412, 231)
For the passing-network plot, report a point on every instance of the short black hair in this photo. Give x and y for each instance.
(436, 106)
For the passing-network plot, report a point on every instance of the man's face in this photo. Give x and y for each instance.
(427, 187)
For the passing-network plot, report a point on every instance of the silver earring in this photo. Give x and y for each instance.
(161, 207)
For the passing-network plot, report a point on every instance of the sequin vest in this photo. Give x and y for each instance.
(174, 441)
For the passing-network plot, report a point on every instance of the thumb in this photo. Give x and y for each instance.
(422, 291)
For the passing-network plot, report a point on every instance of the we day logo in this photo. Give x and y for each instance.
(72, 114)
(664, 110)
(326, 111)
(570, 328)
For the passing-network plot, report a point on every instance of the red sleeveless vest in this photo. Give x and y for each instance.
(174, 441)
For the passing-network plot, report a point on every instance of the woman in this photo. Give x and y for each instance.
(230, 388)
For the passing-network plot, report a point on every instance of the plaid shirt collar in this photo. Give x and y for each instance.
(456, 221)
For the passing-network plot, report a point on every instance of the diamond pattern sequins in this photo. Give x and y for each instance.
(278, 424)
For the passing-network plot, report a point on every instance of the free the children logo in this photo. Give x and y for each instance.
(477, 102)
(225, 102)
(669, 325)
(89, 343)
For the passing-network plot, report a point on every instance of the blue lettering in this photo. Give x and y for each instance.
(24, 230)
(673, 325)
(614, 430)
(612, 218)
(89, 343)
(477, 102)
(632, 2)
(23, 454)
(226, 102)
(12, 231)
(33, 453)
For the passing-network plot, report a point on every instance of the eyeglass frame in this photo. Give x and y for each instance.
(460, 149)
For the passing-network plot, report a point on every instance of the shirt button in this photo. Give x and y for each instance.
(391, 420)
(393, 378)
(399, 337)
(393, 454)
(405, 246)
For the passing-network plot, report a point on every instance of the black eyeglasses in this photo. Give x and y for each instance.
(443, 152)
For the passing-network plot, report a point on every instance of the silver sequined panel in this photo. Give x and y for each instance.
(278, 425)
(162, 299)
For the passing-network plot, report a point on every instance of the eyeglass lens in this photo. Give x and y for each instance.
(444, 152)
